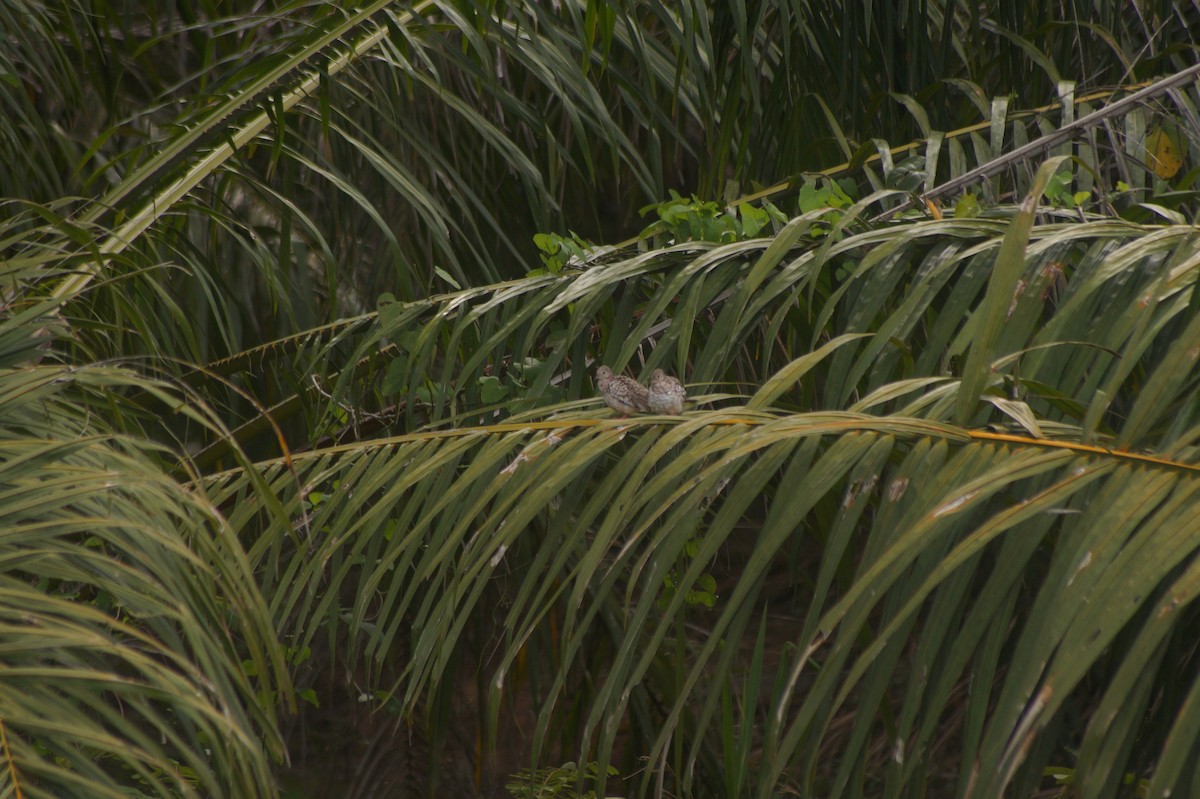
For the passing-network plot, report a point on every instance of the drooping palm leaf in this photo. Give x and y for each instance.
(136, 651)
(602, 530)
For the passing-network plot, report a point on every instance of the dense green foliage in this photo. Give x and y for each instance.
(305, 488)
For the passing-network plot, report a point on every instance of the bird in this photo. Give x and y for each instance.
(623, 394)
(666, 394)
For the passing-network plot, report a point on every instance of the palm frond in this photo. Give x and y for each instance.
(929, 505)
(135, 647)
(602, 531)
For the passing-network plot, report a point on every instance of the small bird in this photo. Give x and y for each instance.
(623, 394)
(666, 394)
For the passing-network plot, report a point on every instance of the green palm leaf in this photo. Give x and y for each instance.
(131, 621)
(923, 529)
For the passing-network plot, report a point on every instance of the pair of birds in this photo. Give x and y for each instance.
(626, 395)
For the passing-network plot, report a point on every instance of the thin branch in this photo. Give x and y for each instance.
(831, 422)
(1050, 140)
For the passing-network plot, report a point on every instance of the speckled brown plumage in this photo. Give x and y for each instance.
(623, 394)
(666, 394)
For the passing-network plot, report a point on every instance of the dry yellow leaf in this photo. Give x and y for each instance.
(1166, 156)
